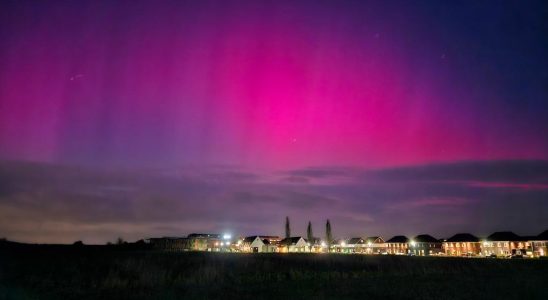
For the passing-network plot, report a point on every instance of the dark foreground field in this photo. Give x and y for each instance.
(101, 273)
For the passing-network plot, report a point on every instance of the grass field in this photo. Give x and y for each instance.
(65, 272)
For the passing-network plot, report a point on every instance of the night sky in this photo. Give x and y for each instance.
(162, 118)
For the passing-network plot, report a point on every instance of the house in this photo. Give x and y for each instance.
(351, 245)
(355, 245)
(375, 245)
(398, 244)
(258, 244)
(425, 245)
(539, 245)
(338, 245)
(504, 243)
(293, 244)
(462, 244)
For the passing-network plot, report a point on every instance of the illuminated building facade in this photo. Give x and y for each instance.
(398, 244)
(462, 244)
(425, 245)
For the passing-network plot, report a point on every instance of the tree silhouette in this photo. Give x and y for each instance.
(287, 228)
(328, 236)
(310, 235)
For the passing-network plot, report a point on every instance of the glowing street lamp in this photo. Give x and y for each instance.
(227, 237)
(323, 244)
(343, 244)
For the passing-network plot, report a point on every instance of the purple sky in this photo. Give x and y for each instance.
(152, 118)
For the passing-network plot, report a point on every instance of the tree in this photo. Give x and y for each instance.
(328, 236)
(120, 241)
(287, 228)
(310, 235)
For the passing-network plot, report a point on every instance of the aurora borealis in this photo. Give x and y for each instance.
(258, 92)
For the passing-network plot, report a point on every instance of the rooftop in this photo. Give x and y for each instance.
(504, 236)
(398, 239)
(463, 237)
(425, 238)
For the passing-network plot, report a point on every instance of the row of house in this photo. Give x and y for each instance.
(461, 244)
(505, 243)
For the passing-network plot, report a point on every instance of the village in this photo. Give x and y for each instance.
(503, 244)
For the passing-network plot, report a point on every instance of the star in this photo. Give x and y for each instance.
(76, 77)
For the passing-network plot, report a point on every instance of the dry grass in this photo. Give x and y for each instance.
(108, 272)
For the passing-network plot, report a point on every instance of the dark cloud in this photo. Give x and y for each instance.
(296, 179)
(510, 171)
(322, 172)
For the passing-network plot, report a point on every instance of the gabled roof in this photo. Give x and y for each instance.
(543, 236)
(398, 239)
(463, 237)
(374, 239)
(355, 241)
(266, 242)
(425, 238)
(504, 236)
(290, 241)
